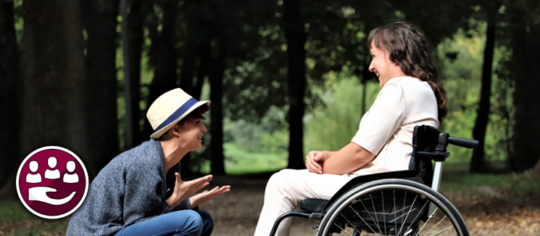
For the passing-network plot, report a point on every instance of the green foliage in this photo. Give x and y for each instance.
(460, 62)
(332, 127)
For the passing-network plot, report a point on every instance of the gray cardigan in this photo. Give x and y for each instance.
(130, 189)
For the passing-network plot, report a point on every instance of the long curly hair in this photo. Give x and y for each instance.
(408, 48)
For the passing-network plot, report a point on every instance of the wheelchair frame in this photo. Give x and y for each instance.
(428, 145)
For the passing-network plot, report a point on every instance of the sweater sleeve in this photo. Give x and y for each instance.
(184, 205)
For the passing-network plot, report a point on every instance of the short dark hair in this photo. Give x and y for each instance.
(195, 114)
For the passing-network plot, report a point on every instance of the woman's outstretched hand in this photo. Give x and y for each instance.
(314, 161)
(184, 189)
(208, 195)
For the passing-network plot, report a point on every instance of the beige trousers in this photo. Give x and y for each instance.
(285, 191)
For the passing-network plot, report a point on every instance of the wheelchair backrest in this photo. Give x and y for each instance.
(425, 139)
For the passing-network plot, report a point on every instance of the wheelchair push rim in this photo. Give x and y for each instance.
(423, 212)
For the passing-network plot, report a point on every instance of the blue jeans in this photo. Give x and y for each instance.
(178, 223)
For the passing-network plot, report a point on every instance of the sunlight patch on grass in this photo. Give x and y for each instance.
(523, 184)
(239, 161)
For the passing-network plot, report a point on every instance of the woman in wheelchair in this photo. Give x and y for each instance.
(410, 95)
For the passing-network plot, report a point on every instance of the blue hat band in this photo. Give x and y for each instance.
(178, 113)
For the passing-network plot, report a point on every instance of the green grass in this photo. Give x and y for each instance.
(239, 161)
(524, 184)
(12, 212)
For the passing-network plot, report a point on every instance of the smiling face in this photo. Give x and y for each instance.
(382, 66)
(191, 132)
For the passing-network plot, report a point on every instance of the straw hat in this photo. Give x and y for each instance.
(169, 108)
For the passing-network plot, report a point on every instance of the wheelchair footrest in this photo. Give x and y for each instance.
(310, 205)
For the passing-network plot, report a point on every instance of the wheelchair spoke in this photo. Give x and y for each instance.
(384, 215)
(375, 211)
(408, 212)
(350, 223)
(362, 218)
(443, 230)
(395, 207)
(342, 229)
(426, 223)
(416, 218)
(369, 216)
(436, 225)
(403, 207)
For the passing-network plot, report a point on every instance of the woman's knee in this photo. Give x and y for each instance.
(208, 223)
(190, 222)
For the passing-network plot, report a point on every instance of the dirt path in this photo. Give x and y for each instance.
(237, 212)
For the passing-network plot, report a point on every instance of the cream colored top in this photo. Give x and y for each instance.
(387, 127)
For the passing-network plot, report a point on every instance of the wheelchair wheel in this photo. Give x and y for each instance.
(392, 207)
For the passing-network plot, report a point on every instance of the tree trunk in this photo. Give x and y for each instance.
(296, 55)
(165, 67)
(188, 65)
(526, 48)
(216, 115)
(53, 111)
(203, 70)
(478, 164)
(136, 39)
(9, 94)
(100, 87)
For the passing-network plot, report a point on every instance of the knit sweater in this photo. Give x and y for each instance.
(130, 189)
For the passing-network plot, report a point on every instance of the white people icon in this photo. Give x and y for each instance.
(71, 178)
(33, 178)
(52, 173)
(39, 193)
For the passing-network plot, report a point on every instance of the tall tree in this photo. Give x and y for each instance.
(216, 119)
(100, 84)
(9, 93)
(526, 48)
(135, 45)
(53, 111)
(482, 115)
(165, 77)
(296, 59)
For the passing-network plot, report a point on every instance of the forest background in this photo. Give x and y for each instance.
(284, 77)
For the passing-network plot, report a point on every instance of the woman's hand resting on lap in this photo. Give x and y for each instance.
(315, 160)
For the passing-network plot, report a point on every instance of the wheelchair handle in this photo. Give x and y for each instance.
(463, 142)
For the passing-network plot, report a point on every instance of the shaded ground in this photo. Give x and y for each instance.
(486, 210)
(237, 212)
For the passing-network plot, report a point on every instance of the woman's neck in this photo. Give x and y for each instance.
(173, 153)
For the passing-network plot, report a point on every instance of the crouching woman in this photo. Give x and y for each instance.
(129, 195)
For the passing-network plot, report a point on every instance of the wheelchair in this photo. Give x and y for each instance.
(393, 203)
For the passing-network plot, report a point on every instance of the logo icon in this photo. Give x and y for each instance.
(52, 182)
